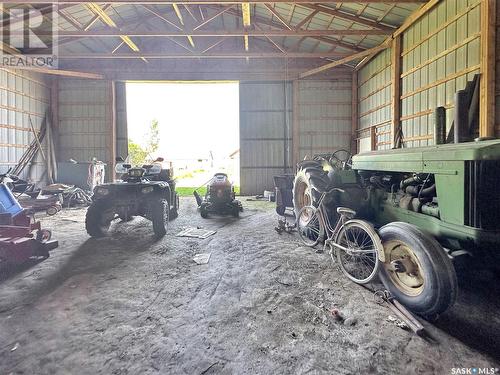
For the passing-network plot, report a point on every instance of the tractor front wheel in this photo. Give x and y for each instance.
(417, 271)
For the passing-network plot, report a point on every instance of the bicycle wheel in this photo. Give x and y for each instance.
(358, 257)
(310, 226)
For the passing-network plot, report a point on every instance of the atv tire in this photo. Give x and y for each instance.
(95, 222)
(174, 212)
(159, 216)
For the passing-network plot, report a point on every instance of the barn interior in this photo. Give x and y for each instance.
(377, 117)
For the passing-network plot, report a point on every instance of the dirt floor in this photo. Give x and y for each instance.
(128, 304)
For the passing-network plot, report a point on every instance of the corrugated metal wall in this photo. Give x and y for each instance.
(374, 109)
(440, 52)
(23, 95)
(324, 116)
(85, 120)
(265, 134)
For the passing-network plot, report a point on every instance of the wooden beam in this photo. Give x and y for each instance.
(210, 33)
(344, 60)
(196, 2)
(306, 19)
(219, 55)
(395, 90)
(488, 62)
(350, 17)
(278, 16)
(214, 16)
(64, 73)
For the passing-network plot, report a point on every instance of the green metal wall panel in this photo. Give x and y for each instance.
(374, 109)
(440, 53)
(324, 116)
(24, 95)
(84, 120)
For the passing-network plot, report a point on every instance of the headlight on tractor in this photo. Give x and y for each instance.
(102, 191)
(147, 190)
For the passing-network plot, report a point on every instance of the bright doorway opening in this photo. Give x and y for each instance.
(193, 125)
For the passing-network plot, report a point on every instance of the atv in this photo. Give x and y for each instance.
(147, 191)
(219, 198)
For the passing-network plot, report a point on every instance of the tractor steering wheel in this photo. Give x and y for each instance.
(342, 159)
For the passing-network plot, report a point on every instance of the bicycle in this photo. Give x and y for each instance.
(355, 242)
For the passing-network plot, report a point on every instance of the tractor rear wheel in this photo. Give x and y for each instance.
(98, 219)
(302, 193)
(417, 270)
(160, 215)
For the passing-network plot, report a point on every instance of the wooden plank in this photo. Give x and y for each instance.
(197, 2)
(64, 73)
(354, 112)
(395, 89)
(218, 55)
(295, 123)
(487, 84)
(344, 60)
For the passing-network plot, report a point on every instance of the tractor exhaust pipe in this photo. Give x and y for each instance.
(198, 198)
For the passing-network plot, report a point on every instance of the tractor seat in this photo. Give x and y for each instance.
(347, 212)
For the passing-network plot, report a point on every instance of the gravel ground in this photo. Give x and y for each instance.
(128, 304)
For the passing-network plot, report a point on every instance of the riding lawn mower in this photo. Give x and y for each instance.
(219, 198)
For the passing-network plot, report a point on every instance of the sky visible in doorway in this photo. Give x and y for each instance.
(194, 118)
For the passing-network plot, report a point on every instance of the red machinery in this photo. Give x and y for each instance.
(21, 237)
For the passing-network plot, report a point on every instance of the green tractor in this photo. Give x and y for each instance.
(433, 206)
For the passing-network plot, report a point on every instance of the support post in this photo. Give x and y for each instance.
(487, 83)
(112, 130)
(354, 113)
(295, 124)
(396, 92)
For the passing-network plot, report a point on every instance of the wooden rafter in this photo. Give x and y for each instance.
(208, 33)
(220, 55)
(280, 18)
(344, 60)
(217, 2)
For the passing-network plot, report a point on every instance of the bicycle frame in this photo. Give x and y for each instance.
(331, 232)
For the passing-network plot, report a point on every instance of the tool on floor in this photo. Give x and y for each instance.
(384, 297)
(196, 233)
(285, 226)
